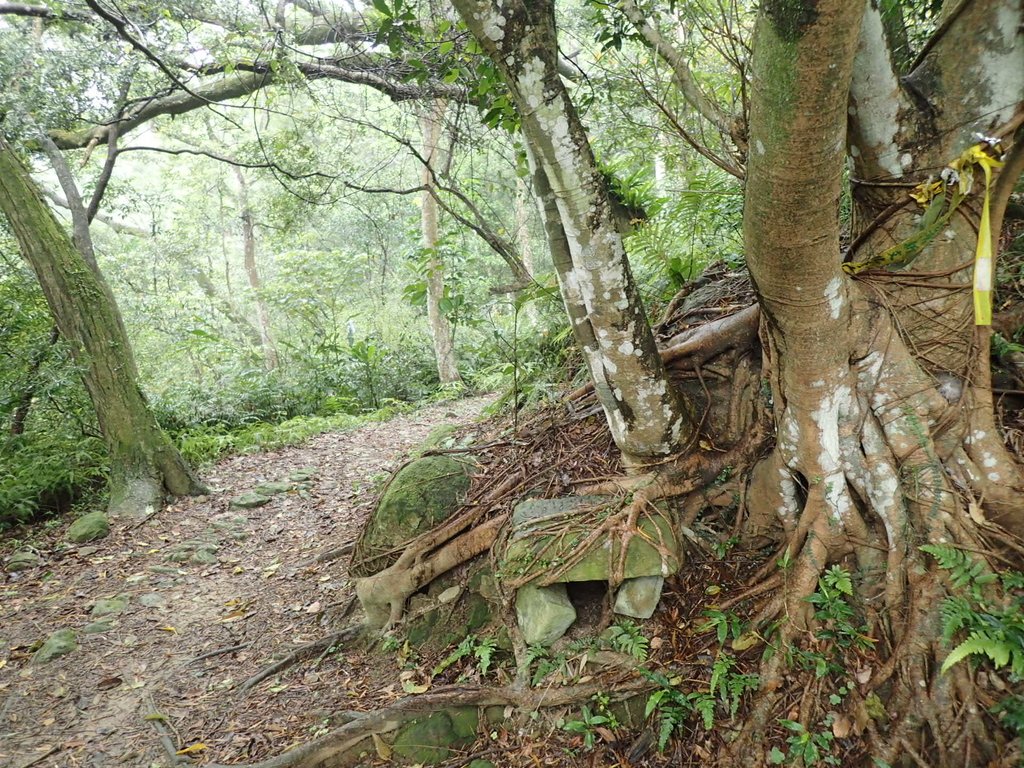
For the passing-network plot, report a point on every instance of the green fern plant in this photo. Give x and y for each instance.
(994, 625)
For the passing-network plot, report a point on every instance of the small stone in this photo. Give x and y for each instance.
(449, 595)
(86, 551)
(481, 764)
(60, 643)
(23, 560)
(302, 475)
(249, 500)
(153, 600)
(166, 570)
(639, 597)
(110, 606)
(270, 489)
(204, 557)
(97, 627)
(88, 527)
(544, 613)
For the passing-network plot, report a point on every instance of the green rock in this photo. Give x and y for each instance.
(423, 494)
(110, 606)
(153, 600)
(544, 613)
(639, 597)
(22, 561)
(97, 627)
(249, 500)
(270, 489)
(88, 528)
(546, 535)
(430, 740)
(166, 570)
(302, 474)
(439, 436)
(204, 557)
(60, 643)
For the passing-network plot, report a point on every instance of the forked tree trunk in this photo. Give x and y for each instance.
(270, 358)
(645, 414)
(144, 464)
(871, 459)
(440, 326)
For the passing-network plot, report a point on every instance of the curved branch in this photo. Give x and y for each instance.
(681, 73)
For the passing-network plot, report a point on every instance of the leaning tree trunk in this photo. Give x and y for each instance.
(646, 416)
(871, 459)
(143, 461)
(440, 327)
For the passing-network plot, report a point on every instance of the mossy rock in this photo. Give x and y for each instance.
(89, 528)
(423, 494)
(440, 623)
(546, 534)
(60, 643)
(430, 740)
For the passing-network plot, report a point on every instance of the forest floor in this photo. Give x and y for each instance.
(250, 588)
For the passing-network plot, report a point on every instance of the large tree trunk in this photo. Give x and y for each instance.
(873, 458)
(143, 461)
(646, 416)
(440, 326)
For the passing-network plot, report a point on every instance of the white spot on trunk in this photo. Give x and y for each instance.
(492, 24)
(759, 146)
(834, 297)
(993, 476)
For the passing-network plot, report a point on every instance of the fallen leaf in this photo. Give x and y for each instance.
(383, 750)
(109, 682)
(313, 607)
(168, 628)
(863, 675)
(414, 681)
(191, 749)
(841, 727)
(746, 640)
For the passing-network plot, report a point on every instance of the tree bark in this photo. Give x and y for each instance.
(270, 358)
(645, 414)
(440, 327)
(144, 463)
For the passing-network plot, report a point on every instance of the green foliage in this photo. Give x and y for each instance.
(730, 685)
(674, 708)
(725, 624)
(806, 747)
(591, 719)
(696, 226)
(993, 623)
(832, 608)
(627, 637)
(482, 649)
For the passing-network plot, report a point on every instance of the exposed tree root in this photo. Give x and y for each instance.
(301, 653)
(870, 465)
(330, 748)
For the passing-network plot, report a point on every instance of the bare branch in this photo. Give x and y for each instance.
(38, 12)
(681, 73)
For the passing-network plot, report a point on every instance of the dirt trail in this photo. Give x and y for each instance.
(198, 577)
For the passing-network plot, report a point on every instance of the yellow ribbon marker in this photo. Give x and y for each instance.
(983, 268)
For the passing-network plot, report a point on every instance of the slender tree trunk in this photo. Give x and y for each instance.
(646, 416)
(270, 358)
(144, 462)
(522, 239)
(440, 327)
(24, 405)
